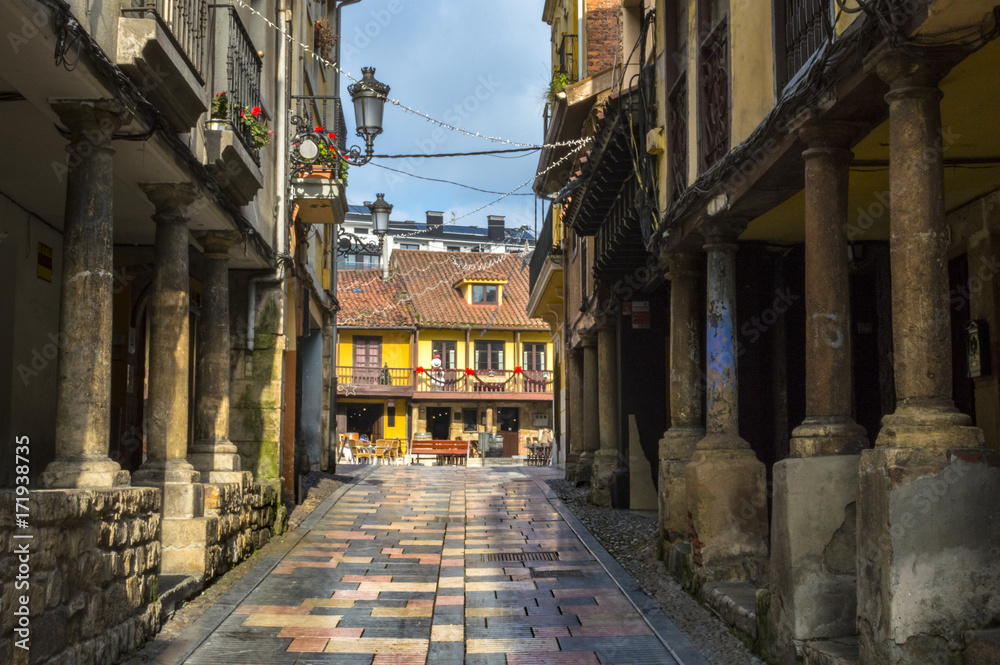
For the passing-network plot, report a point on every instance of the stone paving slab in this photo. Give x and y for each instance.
(436, 566)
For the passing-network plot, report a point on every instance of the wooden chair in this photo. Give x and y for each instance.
(360, 452)
(381, 450)
(395, 452)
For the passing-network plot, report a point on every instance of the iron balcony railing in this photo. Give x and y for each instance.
(677, 109)
(544, 248)
(446, 380)
(243, 70)
(325, 112)
(805, 30)
(714, 84)
(186, 24)
(567, 57)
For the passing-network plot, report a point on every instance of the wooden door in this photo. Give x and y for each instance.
(367, 359)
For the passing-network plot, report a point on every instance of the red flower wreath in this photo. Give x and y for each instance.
(420, 370)
(517, 370)
(470, 372)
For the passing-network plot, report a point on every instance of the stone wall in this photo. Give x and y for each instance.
(92, 588)
(242, 518)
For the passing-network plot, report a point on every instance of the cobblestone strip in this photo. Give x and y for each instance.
(439, 565)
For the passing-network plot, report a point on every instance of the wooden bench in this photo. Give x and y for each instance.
(444, 450)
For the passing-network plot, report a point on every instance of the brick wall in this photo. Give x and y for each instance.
(245, 517)
(602, 34)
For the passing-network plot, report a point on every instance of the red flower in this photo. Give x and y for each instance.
(332, 135)
(420, 370)
(318, 130)
(470, 372)
(517, 370)
(255, 111)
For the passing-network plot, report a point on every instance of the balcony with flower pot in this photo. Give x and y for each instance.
(237, 128)
(319, 171)
(162, 46)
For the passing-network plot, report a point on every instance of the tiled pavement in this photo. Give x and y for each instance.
(443, 566)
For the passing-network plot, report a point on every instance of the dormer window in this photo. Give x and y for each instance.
(485, 294)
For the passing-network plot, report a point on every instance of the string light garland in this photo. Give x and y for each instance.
(395, 102)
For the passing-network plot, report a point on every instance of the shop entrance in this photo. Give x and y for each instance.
(439, 422)
(365, 419)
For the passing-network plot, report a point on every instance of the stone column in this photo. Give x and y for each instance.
(606, 457)
(574, 438)
(591, 424)
(686, 391)
(928, 529)
(167, 421)
(83, 397)
(212, 453)
(815, 492)
(725, 482)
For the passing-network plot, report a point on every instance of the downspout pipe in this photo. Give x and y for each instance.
(340, 38)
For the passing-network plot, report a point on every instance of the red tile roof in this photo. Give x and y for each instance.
(428, 277)
(366, 300)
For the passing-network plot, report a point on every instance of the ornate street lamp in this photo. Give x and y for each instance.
(348, 243)
(311, 146)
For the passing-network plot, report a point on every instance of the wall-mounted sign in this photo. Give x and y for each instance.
(45, 262)
(640, 314)
(627, 308)
(540, 419)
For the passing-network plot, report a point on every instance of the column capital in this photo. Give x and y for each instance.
(907, 74)
(721, 234)
(216, 244)
(91, 120)
(831, 135)
(171, 199)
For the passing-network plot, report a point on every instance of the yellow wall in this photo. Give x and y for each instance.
(424, 348)
(751, 75)
(395, 347)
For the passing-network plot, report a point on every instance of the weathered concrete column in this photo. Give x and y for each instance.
(606, 457)
(591, 422)
(83, 397)
(813, 571)
(212, 453)
(574, 385)
(166, 464)
(928, 529)
(725, 482)
(686, 391)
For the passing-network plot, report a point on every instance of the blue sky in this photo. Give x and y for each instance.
(482, 65)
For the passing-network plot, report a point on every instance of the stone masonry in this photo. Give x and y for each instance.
(93, 590)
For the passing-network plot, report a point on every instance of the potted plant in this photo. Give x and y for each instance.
(328, 164)
(559, 81)
(220, 111)
(252, 121)
(324, 38)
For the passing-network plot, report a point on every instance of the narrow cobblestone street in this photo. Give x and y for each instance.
(434, 565)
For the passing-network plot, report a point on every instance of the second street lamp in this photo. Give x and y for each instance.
(349, 243)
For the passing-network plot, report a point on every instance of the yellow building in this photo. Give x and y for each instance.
(443, 349)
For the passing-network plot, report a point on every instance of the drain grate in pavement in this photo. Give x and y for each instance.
(521, 556)
(567, 572)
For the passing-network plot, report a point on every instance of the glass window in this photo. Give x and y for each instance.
(408, 245)
(484, 293)
(469, 423)
(489, 355)
(534, 356)
(454, 248)
(360, 231)
(447, 352)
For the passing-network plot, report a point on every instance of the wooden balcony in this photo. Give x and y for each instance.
(528, 385)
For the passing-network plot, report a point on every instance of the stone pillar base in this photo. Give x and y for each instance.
(814, 545)
(216, 461)
(936, 426)
(185, 543)
(585, 469)
(182, 493)
(605, 463)
(71, 473)
(676, 448)
(727, 504)
(828, 435)
(928, 551)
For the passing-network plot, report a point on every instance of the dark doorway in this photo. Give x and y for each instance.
(963, 388)
(507, 419)
(439, 421)
(365, 419)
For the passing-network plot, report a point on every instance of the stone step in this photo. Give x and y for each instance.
(982, 647)
(837, 651)
(736, 603)
(175, 590)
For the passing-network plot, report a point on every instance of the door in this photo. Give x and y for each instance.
(535, 376)
(367, 359)
(439, 422)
